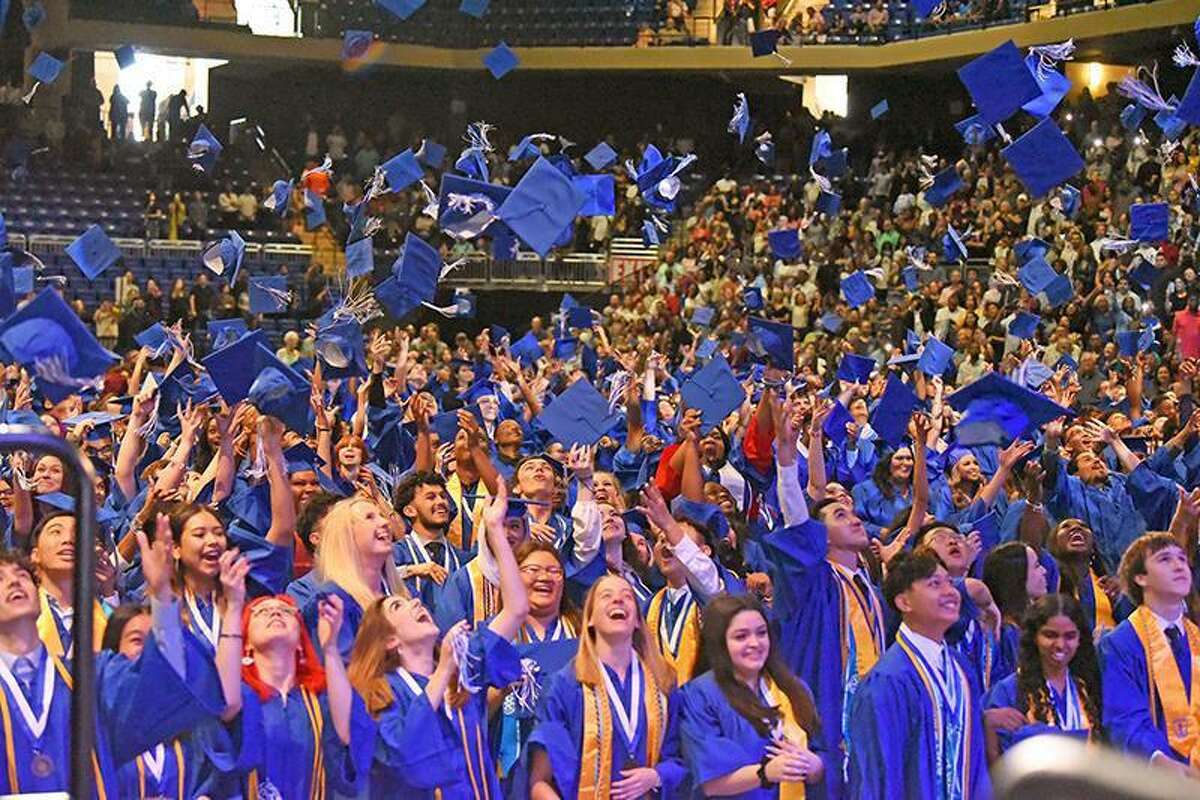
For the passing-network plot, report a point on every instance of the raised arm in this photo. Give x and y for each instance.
(1007, 459)
(130, 451)
(513, 598)
(702, 572)
(283, 505)
(791, 497)
(192, 420)
(816, 452)
(422, 411)
(338, 691)
(230, 646)
(1125, 457)
(585, 514)
(324, 420)
(228, 421)
(480, 463)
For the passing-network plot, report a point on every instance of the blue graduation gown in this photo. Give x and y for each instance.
(276, 742)
(1008, 650)
(894, 752)
(139, 704)
(1004, 695)
(807, 604)
(406, 552)
(560, 733)
(420, 750)
(717, 740)
(968, 637)
(351, 616)
(874, 509)
(204, 756)
(1125, 682)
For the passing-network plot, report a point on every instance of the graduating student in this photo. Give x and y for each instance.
(1015, 577)
(830, 616)
(1073, 548)
(1056, 688)
(915, 721)
(621, 557)
(170, 688)
(52, 553)
(472, 593)
(608, 721)
(749, 726)
(425, 557)
(432, 713)
(301, 729)
(1151, 661)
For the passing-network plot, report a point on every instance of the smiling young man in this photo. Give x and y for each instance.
(915, 721)
(1151, 661)
(425, 556)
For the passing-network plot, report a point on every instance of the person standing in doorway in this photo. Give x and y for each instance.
(146, 111)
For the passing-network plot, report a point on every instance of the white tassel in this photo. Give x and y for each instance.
(448, 268)
(1003, 134)
(1184, 57)
(431, 201)
(1117, 244)
(477, 136)
(822, 182)
(467, 663)
(1050, 54)
(525, 692)
(54, 370)
(928, 167)
(28, 98)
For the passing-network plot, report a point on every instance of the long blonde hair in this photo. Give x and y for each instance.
(338, 561)
(587, 664)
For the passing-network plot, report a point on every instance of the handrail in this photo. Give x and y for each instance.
(83, 665)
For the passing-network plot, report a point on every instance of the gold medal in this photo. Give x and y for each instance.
(42, 766)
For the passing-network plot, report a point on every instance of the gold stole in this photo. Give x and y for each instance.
(1104, 613)
(1081, 696)
(454, 532)
(10, 756)
(868, 643)
(1182, 716)
(485, 598)
(792, 732)
(141, 770)
(683, 662)
(47, 626)
(595, 766)
(312, 706)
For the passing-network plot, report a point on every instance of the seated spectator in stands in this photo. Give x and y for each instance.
(179, 305)
(197, 216)
(812, 24)
(877, 18)
(645, 36)
(290, 352)
(107, 320)
(227, 205)
(336, 144)
(248, 207)
(154, 300)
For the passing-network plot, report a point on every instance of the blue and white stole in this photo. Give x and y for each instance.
(419, 555)
(950, 700)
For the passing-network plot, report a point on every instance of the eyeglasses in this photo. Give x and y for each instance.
(534, 570)
(273, 610)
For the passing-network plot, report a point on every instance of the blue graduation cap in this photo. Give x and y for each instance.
(987, 526)
(936, 357)
(890, 416)
(1169, 123)
(445, 426)
(234, 368)
(22, 278)
(580, 415)
(702, 514)
(714, 391)
(223, 332)
(204, 150)
(703, 316)
(1053, 84)
(156, 338)
(1028, 249)
(829, 203)
(1071, 199)
(565, 348)
(1143, 274)
(356, 44)
(764, 42)
(93, 252)
(785, 244)
(431, 154)
(526, 148)
(1043, 158)
(1188, 109)
(467, 207)
(857, 289)
(527, 349)
(224, 257)
(414, 280)
(45, 68)
(707, 348)
(998, 411)
(752, 298)
(501, 61)
(1132, 116)
(830, 322)
(402, 170)
(273, 393)
(280, 199)
(1130, 343)
(975, 131)
(911, 277)
(541, 206)
(1024, 325)
(269, 294)
(34, 14)
(1148, 222)
(474, 8)
(401, 8)
(340, 348)
(360, 258)
(47, 337)
(314, 210)
(600, 156)
(1036, 275)
(126, 56)
(945, 184)
(650, 237)
(879, 109)
(773, 342)
(600, 193)
(1060, 291)
(855, 368)
(835, 164)
(954, 249)
(999, 83)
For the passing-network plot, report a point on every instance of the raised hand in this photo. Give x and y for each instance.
(234, 569)
(654, 506)
(1018, 449)
(580, 460)
(330, 612)
(157, 564)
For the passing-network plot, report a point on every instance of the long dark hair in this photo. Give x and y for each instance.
(882, 475)
(718, 614)
(1005, 571)
(1031, 681)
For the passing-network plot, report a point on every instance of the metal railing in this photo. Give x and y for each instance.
(83, 665)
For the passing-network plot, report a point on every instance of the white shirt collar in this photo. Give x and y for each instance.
(674, 594)
(931, 650)
(10, 659)
(1165, 623)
